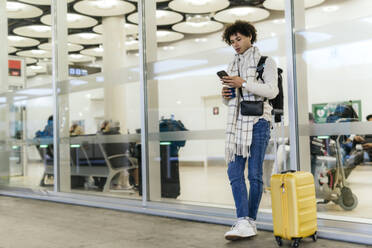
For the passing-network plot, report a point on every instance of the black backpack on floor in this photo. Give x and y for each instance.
(277, 103)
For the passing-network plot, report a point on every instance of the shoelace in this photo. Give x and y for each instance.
(235, 225)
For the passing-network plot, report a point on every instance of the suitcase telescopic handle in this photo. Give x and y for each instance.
(288, 171)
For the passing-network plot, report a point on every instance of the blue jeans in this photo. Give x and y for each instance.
(248, 207)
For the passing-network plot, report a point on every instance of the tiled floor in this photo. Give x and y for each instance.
(42, 224)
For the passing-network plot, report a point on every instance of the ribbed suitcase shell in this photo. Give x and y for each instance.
(293, 205)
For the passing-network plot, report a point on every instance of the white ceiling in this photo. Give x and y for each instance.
(280, 4)
(104, 7)
(19, 41)
(71, 47)
(34, 31)
(130, 29)
(35, 53)
(198, 6)
(41, 2)
(197, 27)
(20, 10)
(249, 14)
(85, 38)
(163, 17)
(73, 21)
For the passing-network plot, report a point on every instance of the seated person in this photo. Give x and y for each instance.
(366, 142)
(48, 129)
(76, 130)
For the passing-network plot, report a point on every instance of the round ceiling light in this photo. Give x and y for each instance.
(158, 1)
(280, 4)
(41, 2)
(30, 61)
(36, 31)
(249, 14)
(104, 7)
(163, 17)
(73, 21)
(21, 11)
(36, 68)
(71, 47)
(19, 41)
(197, 25)
(85, 38)
(11, 49)
(96, 51)
(198, 6)
(78, 58)
(130, 29)
(131, 45)
(35, 53)
(168, 36)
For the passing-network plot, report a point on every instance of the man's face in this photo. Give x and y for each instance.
(370, 119)
(240, 42)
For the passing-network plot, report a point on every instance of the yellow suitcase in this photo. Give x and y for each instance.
(293, 206)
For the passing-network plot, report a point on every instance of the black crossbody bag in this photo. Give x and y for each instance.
(250, 108)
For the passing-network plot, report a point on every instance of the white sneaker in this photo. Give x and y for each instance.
(243, 228)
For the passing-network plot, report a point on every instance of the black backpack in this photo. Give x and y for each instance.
(277, 103)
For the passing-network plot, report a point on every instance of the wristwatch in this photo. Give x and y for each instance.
(244, 84)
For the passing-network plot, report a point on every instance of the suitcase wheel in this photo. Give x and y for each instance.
(296, 243)
(279, 240)
(315, 237)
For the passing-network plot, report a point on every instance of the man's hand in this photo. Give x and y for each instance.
(367, 146)
(232, 81)
(226, 93)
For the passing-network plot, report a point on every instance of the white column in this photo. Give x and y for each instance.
(297, 87)
(62, 174)
(114, 59)
(4, 110)
(149, 102)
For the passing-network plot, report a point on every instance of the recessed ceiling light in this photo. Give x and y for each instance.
(38, 52)
(14, 7)
(166, 48)
(162, 33)
(76, 56)
(99, 49)
(73, 17)
(279, 21)
(330, 8)
(201, 40)
(161, 13)
(198, 2)
(41, 29)
(36, 67)
(15, 38)
(241, 12)
(249, 14)
(105, 4)
(88, 36)
(198, 6)
(131, 42)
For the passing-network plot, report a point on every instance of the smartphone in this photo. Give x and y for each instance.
(222, 74)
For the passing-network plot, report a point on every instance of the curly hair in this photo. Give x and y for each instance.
(242, 27)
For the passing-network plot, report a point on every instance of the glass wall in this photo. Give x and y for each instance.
(332, 57)
(94, 99)
(191, 115)
(26, 99)
(98, 101)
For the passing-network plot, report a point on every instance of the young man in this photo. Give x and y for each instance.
(246, 136)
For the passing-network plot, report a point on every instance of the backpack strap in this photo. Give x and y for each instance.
(261, 67)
